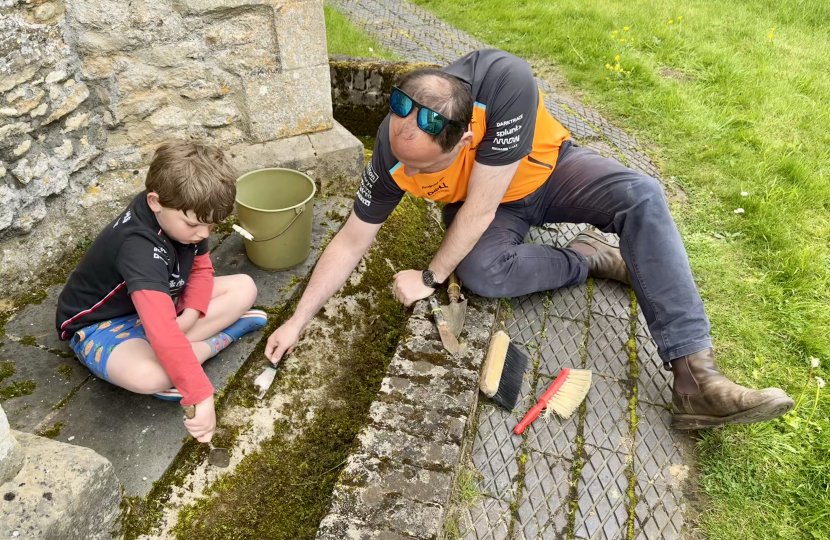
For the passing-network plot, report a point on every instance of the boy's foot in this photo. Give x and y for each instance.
(169, 395)
(253, 319)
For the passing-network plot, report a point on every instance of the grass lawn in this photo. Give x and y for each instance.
(344, 38)
(733, 101)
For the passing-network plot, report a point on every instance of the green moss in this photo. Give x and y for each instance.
(6, 370)
(65, 371)
(226, 226)
(59, 405)
(632, 414)
(29, 340)
(47, 277)
(283, 490)
(18, 389)
(53, 431)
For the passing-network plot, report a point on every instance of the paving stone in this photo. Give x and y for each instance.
(562, 345)
(570, 302)
(394, 479)
(602, 508)
(139, 434)
(397, 446)
(428, 424)
(657, 449)
(543, 502)
(544, 235)
(661, 475)
(653, 382)
(38, 321)
(361, 509)
(277, 287)
(486, 519)
(607, 419)
(569, 231)
(611, 299)
(450, 390)
(528, 318)
(47, 371)
(495, 451)
(608, 347)
(553, 436)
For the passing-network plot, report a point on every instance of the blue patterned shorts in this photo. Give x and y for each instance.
(94, 344)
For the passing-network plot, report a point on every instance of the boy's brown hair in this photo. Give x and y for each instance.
(193, 176)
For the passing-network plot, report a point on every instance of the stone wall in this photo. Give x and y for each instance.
(88, 88)
(360, 90)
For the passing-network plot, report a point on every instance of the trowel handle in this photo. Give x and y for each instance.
(436, 310)
(189, 411)
(454, 288)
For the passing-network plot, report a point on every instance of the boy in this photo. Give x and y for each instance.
(142, 310)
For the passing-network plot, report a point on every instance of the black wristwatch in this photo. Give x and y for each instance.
(428, 277)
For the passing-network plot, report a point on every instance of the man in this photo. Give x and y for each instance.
(476, 135)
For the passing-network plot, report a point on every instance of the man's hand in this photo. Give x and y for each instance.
(203, 424)
(282, 341)
(409, 287)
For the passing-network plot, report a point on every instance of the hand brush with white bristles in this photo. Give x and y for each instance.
(563, 397)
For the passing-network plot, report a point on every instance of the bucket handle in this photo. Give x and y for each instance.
(298, 211)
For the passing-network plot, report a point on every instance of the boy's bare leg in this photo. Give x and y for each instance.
(232, 297)
(133, 365)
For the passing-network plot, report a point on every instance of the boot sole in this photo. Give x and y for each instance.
(766, 411)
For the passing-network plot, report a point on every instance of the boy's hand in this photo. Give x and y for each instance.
(187, 320)
(282, 341)
(203, 424)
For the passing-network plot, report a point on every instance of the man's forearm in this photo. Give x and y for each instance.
(335, 266)
(462, 236)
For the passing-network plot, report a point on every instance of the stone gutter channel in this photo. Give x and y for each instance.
(398, 481)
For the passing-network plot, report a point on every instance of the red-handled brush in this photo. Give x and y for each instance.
(563, 397)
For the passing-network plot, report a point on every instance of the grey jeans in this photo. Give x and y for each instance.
(588, 188)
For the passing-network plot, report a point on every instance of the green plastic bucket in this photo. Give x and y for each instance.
(275, 208)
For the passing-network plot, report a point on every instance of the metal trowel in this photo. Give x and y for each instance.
(264, 380)
(456, 312)
(219, 457)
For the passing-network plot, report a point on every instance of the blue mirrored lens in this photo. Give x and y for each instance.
(430, 121)
(400, 103)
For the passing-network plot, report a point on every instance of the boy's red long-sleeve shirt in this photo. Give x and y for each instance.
(133, 267)
(158, 315)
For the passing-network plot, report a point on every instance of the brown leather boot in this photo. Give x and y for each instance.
(604, 259)
(704, 398)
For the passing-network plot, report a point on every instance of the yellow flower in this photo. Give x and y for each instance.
(626, 28)
(680, 18)
(617, 67)
(771, 36)
(607, 66)
(622, 41)
(671, 21)
(616, 31)
(772, 29)
(617, 58)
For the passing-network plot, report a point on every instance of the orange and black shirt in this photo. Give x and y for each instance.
(510, 123)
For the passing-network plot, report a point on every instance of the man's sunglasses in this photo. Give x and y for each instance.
(428, 120)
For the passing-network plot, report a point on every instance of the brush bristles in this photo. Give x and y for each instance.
(571, 394)
(510, 385)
